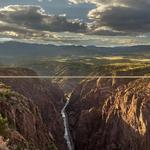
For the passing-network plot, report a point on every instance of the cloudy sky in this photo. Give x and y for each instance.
(78, 22)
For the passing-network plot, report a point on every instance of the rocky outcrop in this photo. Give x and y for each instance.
(110, 116)
(25, 129)
(47, 96)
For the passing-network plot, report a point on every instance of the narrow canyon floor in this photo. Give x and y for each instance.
(101, 114)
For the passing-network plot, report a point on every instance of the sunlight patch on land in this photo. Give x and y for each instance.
(141, 60)
(111, 58)
(62, 60)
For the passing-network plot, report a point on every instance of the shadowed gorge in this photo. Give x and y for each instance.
(102, 113)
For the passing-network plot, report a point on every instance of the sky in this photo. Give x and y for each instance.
(76, 22)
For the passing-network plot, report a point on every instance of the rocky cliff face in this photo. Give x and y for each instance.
(103, 114)
(47, 96)
(110, 115)
(25, 129)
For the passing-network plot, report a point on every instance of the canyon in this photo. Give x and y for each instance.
(106, 114)
(47, 97)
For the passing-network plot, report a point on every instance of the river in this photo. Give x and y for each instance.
(67, 134)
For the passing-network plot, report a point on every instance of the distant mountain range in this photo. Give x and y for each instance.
(15, 49)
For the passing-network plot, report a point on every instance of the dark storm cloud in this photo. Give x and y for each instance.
(34, 17)
(119, 16)
(124, 19)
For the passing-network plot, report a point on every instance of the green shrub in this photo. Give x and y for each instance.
(3, 126)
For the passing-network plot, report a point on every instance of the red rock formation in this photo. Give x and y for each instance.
(46, 95)
(25, 126)
(109, 117)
